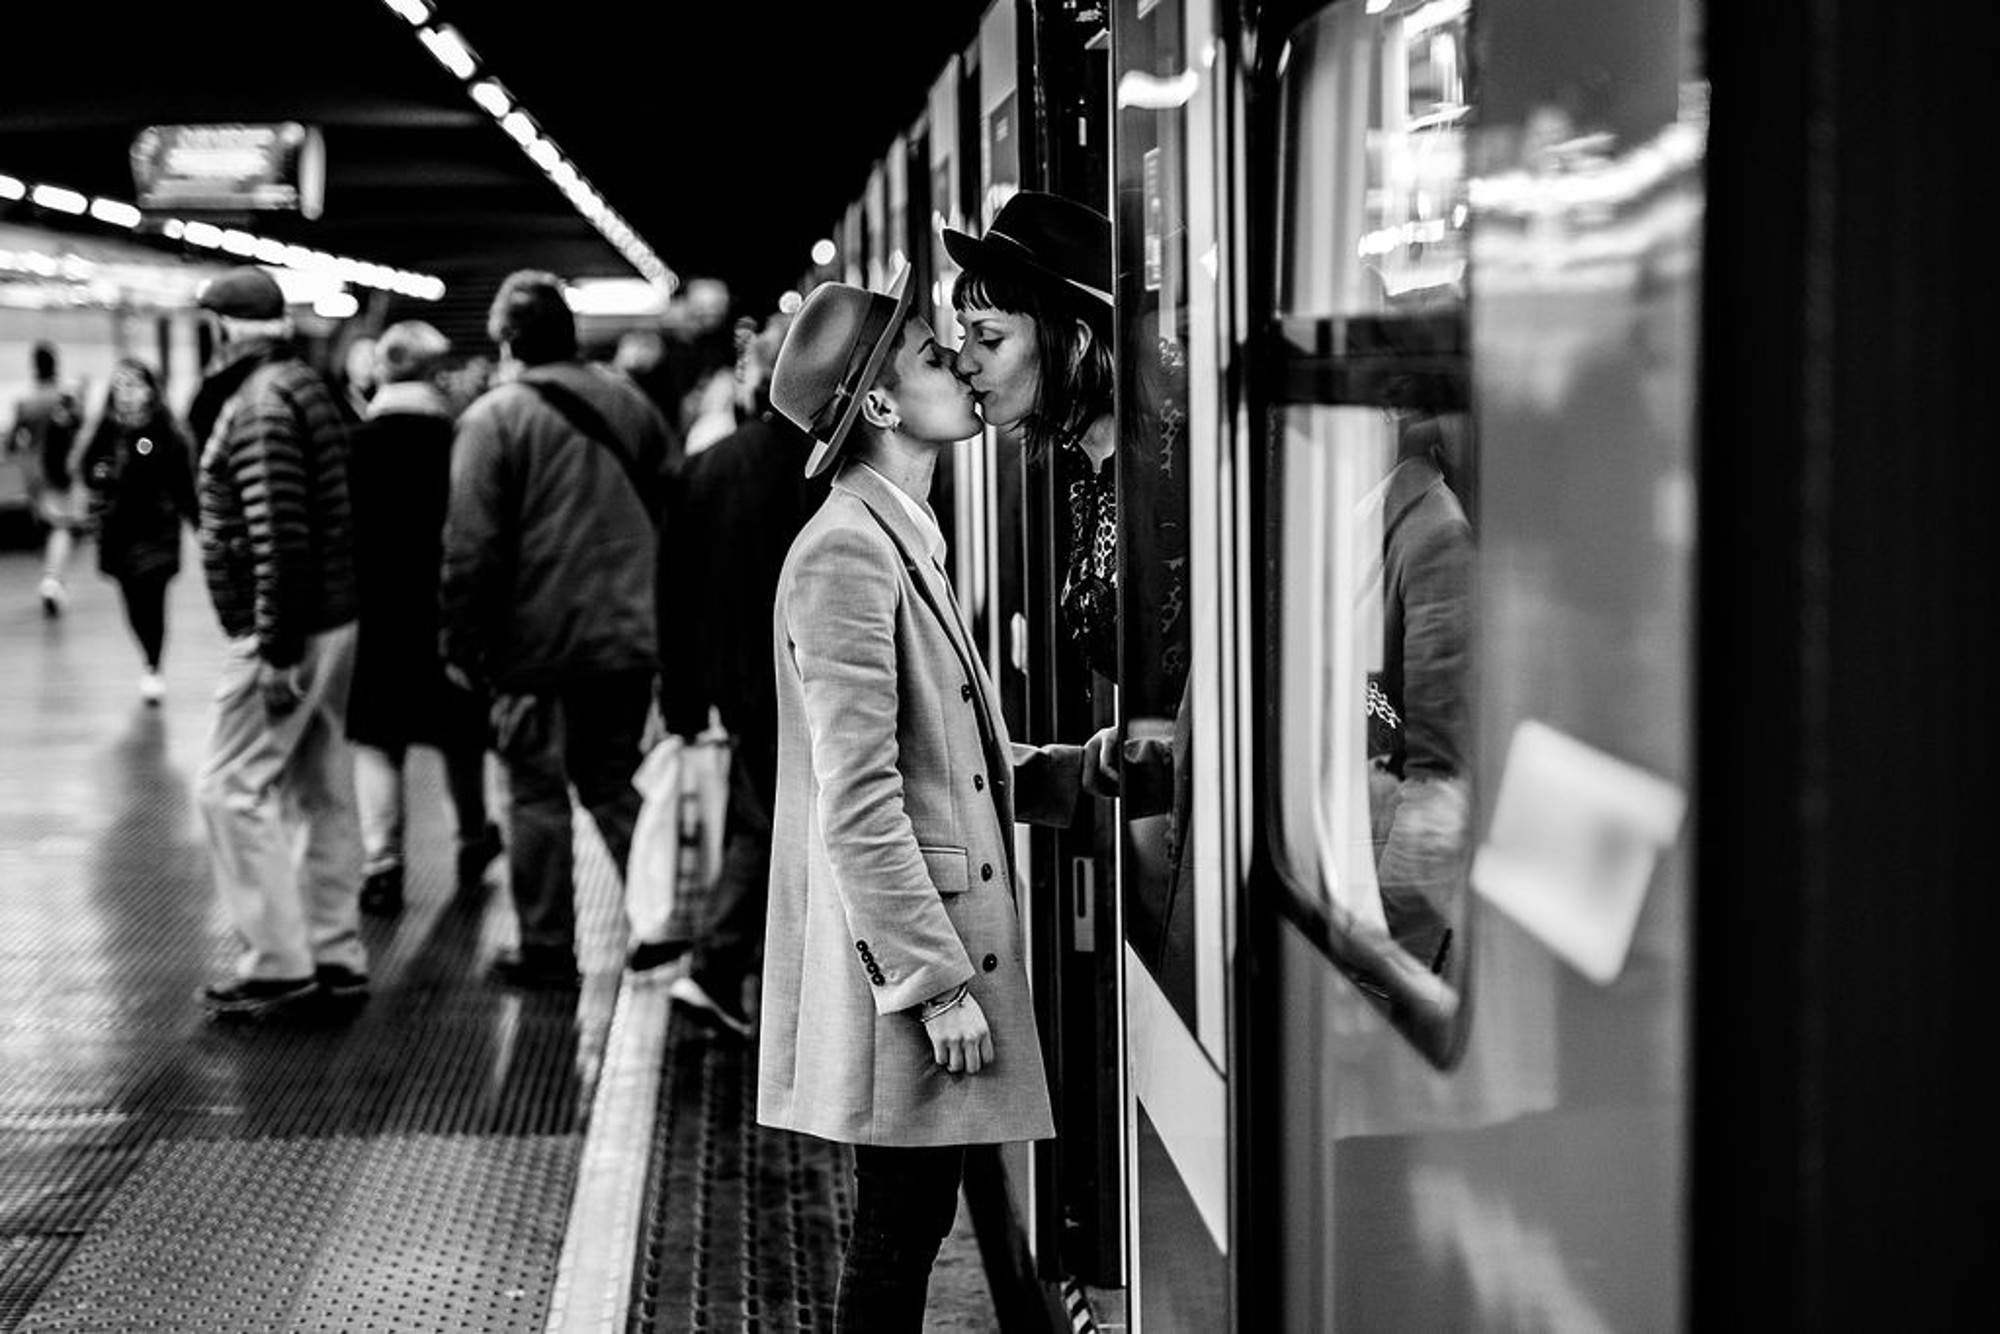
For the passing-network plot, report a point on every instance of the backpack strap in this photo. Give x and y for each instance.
(589, 423)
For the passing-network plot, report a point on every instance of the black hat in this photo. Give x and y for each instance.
(244, 293)
(1051, 235)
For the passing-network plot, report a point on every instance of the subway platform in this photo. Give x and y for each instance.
(452, 1156)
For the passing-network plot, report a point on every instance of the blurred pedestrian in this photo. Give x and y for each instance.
(276, 787)
(138, 469)
(548, 600)
(46, 422)
(402, 485)
(742, 502)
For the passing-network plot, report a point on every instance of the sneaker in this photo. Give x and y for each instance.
(532, 968)
(53, 596)
(686, 991)
(152, 689)
(340, 983)
(382, 892)
(650, 954)
(253, 997)
(475, 855)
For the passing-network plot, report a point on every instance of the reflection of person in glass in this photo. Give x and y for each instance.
(1417, 710)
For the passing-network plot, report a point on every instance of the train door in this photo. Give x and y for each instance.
(1080, 1221)
(1469, 913)
(1176, 665)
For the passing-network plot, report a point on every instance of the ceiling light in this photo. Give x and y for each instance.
(59, 199)
(450, 50)
(12, 188)
(336, 305)
(204, 234)
(239, 243)
(518, 125)
(824, 251)
(416, 12)
(545, 155)
(493, 97)
(114, 211)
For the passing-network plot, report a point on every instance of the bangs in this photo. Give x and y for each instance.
(992, 288)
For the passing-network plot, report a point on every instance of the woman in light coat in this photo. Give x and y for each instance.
(896, 1013)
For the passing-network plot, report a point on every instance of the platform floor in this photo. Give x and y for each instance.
(409, 1166)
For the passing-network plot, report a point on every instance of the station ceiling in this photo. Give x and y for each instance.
(728, 135)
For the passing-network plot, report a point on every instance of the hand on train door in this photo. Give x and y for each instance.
(1101, 762)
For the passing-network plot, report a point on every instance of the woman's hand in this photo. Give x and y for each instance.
(1101, 763)
(960, 1040)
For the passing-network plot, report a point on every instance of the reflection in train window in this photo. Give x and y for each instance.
(1372, 482)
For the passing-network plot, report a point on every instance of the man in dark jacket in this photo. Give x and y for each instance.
(402, 483)
(741, 503)
(276, 788)
(547, 598)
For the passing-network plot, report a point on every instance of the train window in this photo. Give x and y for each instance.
(1370, 485)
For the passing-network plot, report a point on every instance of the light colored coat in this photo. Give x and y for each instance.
(892, 875)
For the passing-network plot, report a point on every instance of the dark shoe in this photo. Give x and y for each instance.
(537, 969)
(338, 982)
(475, 855)
(689, 993)
(254, 997)
(650, 954)
(382, 892)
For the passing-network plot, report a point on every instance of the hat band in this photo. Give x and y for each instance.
(834, 410)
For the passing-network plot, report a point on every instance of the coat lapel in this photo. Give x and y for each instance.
(872, 489)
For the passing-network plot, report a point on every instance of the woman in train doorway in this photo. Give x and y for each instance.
(896, 1011)
(1035, 303)
(138, 469)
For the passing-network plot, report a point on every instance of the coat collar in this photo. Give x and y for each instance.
(413, 396)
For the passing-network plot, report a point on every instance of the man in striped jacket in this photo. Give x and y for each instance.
(276, 787)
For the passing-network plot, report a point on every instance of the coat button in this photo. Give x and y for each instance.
(990, 962)
(979, 782)
(965, 691)
(986, 870)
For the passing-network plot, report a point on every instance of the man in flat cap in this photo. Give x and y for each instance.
(276, 787)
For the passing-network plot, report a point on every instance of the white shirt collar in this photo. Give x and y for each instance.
(927, 524)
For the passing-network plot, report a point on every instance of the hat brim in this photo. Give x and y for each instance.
(970, 251)
(826, 451)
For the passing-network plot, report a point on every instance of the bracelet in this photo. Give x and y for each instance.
(930, 1010)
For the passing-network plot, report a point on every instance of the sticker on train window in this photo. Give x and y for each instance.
(1576, 834)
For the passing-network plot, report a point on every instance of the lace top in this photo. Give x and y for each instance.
(1089, 596)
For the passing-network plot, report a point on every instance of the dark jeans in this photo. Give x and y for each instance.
(905, 1201)
(584, 732)
(735, 930)
(146, 612)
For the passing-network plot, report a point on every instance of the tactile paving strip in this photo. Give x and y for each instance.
(743, 1225)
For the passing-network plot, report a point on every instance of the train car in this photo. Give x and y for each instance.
(1382, 1023)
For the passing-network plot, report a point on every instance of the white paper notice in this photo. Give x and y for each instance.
(1575, 836)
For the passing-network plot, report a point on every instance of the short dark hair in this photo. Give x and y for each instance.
(530, 316)
(45, 361)
(1077, 382)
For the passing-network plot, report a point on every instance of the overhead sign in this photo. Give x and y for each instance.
(230, 168)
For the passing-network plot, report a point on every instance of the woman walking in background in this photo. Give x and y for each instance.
(139, 470)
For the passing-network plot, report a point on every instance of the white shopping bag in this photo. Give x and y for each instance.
(652, 875)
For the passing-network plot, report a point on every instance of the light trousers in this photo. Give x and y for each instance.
(277, 799)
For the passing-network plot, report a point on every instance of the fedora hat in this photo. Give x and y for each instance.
(1049, 234)
(830, 358)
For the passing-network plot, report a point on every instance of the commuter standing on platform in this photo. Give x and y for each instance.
(276, 787)
(46, 421)
(742, 502)
(548, 600)
(896, 1010)
(402, 483)
(139, 470)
